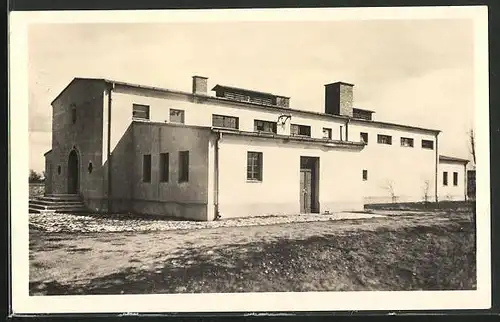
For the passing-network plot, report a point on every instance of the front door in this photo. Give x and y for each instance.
(305, 191)
(73, 173)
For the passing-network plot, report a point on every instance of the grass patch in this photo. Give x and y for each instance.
(452, 206)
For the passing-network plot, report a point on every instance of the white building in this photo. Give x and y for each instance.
(236, 153)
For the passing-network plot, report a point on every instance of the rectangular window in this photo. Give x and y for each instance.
(445, 178)
(164, 167)
(363, 136)
(384, 139)
(176, 116)
(300, 130)
(407, 142)
(73, 114)
(254, 166)
(341, 135)
(184, 166)
(140, 111)
(146, 168)
(428, 144)
(327, 133)
(264, 126)
(365, 175)
(455, 178)
(229, 122)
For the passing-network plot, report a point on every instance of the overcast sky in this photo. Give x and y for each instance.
(411, 72)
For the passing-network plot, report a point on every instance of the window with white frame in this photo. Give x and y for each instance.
(407, 142)
(300, 130)
(254, 166)
(140, 111)
(327, 133)
(384, 139)
(223, 121)
(176, 116)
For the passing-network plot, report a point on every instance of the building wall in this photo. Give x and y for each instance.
(185, 199)
(407, 171)
(279, 191)
(451, 191)
(48, 173)
(85, 136)
(411, 180)
(201, 113)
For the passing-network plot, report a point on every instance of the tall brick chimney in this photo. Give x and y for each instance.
(200, 85)
(339, 99)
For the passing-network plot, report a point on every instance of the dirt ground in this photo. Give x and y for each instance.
(403, 252)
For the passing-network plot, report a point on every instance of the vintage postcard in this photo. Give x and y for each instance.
(250, 160)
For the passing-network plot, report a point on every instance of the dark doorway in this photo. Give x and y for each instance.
(73, 177)
(309, 185)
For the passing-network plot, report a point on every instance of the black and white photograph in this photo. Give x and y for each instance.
(250, 160)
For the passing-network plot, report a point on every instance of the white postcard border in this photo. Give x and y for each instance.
(247, 302)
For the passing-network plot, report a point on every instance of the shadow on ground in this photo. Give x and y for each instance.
(412, 258)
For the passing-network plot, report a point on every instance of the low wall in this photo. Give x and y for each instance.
(36, 190)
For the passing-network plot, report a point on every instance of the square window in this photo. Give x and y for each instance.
(140, 111)
(176, 116)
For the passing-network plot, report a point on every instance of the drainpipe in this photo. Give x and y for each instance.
(109, 149)
(347, 129)
(436, 171)
(216, 177)
(465, 181)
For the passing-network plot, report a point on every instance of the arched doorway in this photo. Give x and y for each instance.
(73, 169)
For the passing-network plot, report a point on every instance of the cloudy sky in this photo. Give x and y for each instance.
(411, 72)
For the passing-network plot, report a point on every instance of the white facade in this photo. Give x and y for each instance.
(341, 172)
(407, 172)
(452, 179)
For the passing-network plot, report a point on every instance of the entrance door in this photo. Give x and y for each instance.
(305, 191)
(73, 173)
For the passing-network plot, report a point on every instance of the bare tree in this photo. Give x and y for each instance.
(389, 186)
(426, 190)
(472, 144)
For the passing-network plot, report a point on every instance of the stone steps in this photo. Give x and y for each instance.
(61, 203)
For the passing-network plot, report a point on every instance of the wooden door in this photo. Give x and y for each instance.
(305, 190)
(73, 174)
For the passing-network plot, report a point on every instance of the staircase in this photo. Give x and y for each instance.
(60, 203)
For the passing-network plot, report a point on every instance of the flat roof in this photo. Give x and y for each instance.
(268, 107)
(452, 159)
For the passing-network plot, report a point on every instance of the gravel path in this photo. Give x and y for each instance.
(53, 222)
